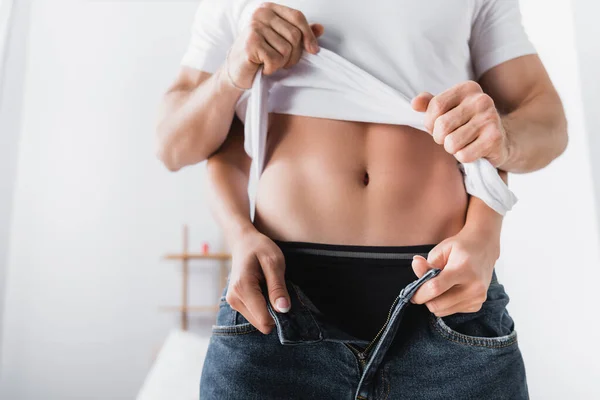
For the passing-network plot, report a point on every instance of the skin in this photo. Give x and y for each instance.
(517, 124)
(317, 192)
(198, 101)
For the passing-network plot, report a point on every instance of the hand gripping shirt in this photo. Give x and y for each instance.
(374, 58)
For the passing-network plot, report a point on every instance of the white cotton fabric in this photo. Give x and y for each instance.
(372, 62)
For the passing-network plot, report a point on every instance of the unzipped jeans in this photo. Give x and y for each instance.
(461, 356)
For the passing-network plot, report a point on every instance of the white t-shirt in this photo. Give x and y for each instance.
(374, 59)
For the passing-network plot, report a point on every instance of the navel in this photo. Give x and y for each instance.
(366, 178)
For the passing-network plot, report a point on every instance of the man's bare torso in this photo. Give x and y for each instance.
(347, 182)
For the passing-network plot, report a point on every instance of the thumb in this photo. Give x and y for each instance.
(421, 102)
(420, 265)
(274, 271)
(438, 256)
(317, 29)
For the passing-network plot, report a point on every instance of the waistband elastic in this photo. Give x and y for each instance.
(354, 251)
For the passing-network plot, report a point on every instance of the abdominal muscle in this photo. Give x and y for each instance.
(314, 185)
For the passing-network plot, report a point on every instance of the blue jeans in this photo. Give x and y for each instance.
(461, 356)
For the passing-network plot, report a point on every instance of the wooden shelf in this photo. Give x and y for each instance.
(213, 308)
(184, 257)
(198, 256)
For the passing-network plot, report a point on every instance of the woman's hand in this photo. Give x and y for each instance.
(275, 37)
(255, 258)
(467, 261)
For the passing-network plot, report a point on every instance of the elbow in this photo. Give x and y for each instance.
(167, 151)
(563, 140)
(178, 150)
(168, 160)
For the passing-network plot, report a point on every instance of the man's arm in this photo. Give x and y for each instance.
(513, 117)
(531, 112)
(194, 117)
(197, 110)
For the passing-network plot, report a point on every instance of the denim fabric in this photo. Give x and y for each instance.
(462, 356)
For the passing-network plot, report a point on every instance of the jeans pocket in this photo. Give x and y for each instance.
(230, 321)
(491, 326)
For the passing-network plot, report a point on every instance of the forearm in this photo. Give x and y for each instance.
(536, 134)
(194, 121)
(228, 196)
(482, 220)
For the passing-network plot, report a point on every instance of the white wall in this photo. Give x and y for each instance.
(587, 32)
(11, 95)
(550, 262)
(94, 210)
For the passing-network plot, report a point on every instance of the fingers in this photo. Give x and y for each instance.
(421, 102)
(278, 35)
(466, 306)
(447, 123)
(290, 34)
(457, 299)
(436, 258)
(463, 283)
(296, 18)
(447, 100)
(245, 296)
(472, 151)
(285, 41)
(439, 255)
(317, 29)
(465, 121)
(420, 266)
(461, 137)
(487, 137)
(258, 49)
(255, 302)
(263, 327)
(269, 57)
(273, 266)
(435, 287)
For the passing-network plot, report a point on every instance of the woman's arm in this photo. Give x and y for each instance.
(256, 258)
(228, 175)
(483, 220)
(467, 260)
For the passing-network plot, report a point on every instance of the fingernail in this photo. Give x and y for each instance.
(282, 304)
(314, 46)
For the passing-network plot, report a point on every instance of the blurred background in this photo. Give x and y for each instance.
(87, 212)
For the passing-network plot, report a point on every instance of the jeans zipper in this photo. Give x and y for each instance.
(387, 321)
(362, 355)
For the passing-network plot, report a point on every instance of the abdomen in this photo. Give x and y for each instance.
(346, 182)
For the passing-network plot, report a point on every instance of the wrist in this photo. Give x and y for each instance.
(488, 230)
(482, 220)
(223, 83)
(230, 79)
(240, 228)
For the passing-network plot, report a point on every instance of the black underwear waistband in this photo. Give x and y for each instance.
(354, 251)
(352, 285)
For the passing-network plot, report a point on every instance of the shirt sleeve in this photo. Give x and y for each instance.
(497, 34)
(212, 34)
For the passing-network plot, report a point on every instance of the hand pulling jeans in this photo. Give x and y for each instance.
(414, 356)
